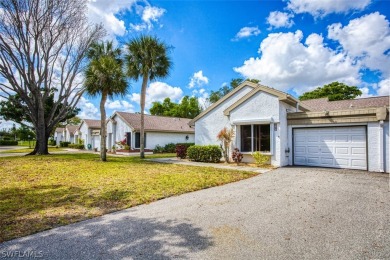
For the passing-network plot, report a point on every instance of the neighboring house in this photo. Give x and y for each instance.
(69, 133)
(89, 132)
(341, 134)
(59, 135)
(159, 130)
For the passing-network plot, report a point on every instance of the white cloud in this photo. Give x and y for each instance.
(150, 15)
(88, 110)
(366, 38)
(280, 19)
(198, 80)
(158, 91)
(202, 96)
(121, 105)
(365, 92)
(247, 32)
(384, 87)
(104, 12)
(321, 8)
(286, 62)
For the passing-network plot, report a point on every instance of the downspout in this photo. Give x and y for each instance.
(381, 147)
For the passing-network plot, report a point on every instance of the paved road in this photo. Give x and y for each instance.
(289, 213)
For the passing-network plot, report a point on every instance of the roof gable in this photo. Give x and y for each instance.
(156, 123)
(284, 97)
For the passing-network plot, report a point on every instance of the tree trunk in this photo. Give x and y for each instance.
(42, 137)
(103, 153)
(142, 130)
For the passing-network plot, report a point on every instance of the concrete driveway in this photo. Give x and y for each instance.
(289, 213)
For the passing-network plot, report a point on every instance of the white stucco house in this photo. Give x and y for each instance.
(89, 132)
(69, 133)
(159, 130)
(59, 135)
(350, 134)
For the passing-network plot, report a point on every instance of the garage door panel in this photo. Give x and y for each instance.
(358, 138)
(338, 147)
(300, 150)
(313, 160)
(342, 150)
(313, 149)
(358, 151)
(300, 160)
(341, 138)
(312, 139)
(326, 149)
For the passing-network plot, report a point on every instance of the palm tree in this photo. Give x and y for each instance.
(104, 76)
(146, 58)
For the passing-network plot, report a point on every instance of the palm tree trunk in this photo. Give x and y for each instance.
(103, 152)
(142, 130)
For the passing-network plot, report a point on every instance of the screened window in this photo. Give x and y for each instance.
(255, 138)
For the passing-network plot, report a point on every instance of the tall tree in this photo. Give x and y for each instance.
(333, 91)
(42, 49)
(146, 58)
(217, 95)
(105, 77)
(188, 108)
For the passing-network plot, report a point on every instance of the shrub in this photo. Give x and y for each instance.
(170, 148)
(204, 153)
(8, 142)
(64, 144)
(261, 159)
(52, 142)
(181, 149)
(237, 156)
(76, 146)
(158, 149)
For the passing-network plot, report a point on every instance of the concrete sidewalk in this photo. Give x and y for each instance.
(214, 165)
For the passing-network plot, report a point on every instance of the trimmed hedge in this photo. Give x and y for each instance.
(76, 146)
(8, 142)
(204, 153)
(64, 144)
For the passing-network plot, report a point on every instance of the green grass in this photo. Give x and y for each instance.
(42, 192)
(29, 150)
(26, 143)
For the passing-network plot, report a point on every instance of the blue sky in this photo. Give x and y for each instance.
(290, 45)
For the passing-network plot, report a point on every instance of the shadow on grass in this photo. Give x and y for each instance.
(116, 236)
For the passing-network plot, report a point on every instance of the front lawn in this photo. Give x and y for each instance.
(29, 150)
(42, 192)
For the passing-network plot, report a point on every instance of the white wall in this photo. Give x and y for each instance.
(207, 127)
(85, 135)
(161, 138)
(260, 106)
(58, 136)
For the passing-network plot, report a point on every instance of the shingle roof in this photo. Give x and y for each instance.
(322, 104)
(157, 123)
(72, 128)
(91, 123)
(59, 129)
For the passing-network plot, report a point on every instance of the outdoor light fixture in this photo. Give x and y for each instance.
(187, 138)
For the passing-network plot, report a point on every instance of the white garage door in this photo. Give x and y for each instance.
(336, 147)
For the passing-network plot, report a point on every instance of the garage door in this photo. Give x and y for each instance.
(336, 147)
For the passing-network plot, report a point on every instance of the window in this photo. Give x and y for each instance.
(138, 140)
(255, 138)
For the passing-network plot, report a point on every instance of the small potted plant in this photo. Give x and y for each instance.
(113, 149)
